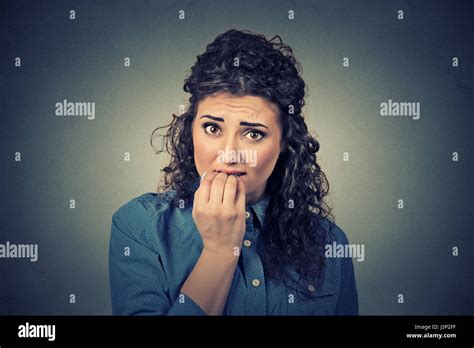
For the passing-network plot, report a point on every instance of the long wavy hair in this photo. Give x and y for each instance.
(293, 236)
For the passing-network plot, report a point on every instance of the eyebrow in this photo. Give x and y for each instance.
(242, 123)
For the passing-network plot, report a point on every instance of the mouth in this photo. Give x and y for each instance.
(231, 172)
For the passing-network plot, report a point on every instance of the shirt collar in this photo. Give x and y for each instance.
(260, 208)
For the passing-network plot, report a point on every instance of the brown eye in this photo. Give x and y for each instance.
(255, 135)
(211, 128)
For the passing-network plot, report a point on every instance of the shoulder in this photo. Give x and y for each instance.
(148, 202)
(334, 233)
(133, 216)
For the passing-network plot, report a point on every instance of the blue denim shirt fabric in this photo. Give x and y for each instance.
(154, 246)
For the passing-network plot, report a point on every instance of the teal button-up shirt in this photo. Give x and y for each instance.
(154, 245)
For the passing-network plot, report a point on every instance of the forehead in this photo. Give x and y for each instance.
(249, 106)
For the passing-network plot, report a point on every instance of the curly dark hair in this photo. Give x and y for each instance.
(292, 238)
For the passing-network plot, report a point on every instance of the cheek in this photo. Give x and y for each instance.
(204, 154)
(266, 160)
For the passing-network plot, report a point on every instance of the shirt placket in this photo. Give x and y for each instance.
(256, 298)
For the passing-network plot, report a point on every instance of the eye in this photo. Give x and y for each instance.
(255, 135)
(210, 128)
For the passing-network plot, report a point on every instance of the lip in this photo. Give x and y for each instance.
(231, 171)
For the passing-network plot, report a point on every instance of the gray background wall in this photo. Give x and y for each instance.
(407, 251)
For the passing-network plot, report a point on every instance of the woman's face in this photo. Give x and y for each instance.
(238, 135)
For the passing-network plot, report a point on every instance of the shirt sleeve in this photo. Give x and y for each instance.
(138, 282)
(347, 303)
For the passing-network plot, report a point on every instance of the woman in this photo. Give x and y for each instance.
(240, 225)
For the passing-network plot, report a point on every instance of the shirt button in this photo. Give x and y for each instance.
(247, 243)
(247, 214)
(310, 287)
(255, 282)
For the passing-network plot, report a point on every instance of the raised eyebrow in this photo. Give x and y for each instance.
(220, 119)
(243, 123)
(250, 124)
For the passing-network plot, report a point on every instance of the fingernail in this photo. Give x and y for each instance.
(202, 178)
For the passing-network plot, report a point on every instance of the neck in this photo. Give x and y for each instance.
(252, 198)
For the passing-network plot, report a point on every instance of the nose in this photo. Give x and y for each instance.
(232, 145)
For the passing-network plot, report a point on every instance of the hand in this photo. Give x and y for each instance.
(219, 212)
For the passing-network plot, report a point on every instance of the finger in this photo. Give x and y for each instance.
(240, 199)
(230, 192)
(203, 192)
(217, 188)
